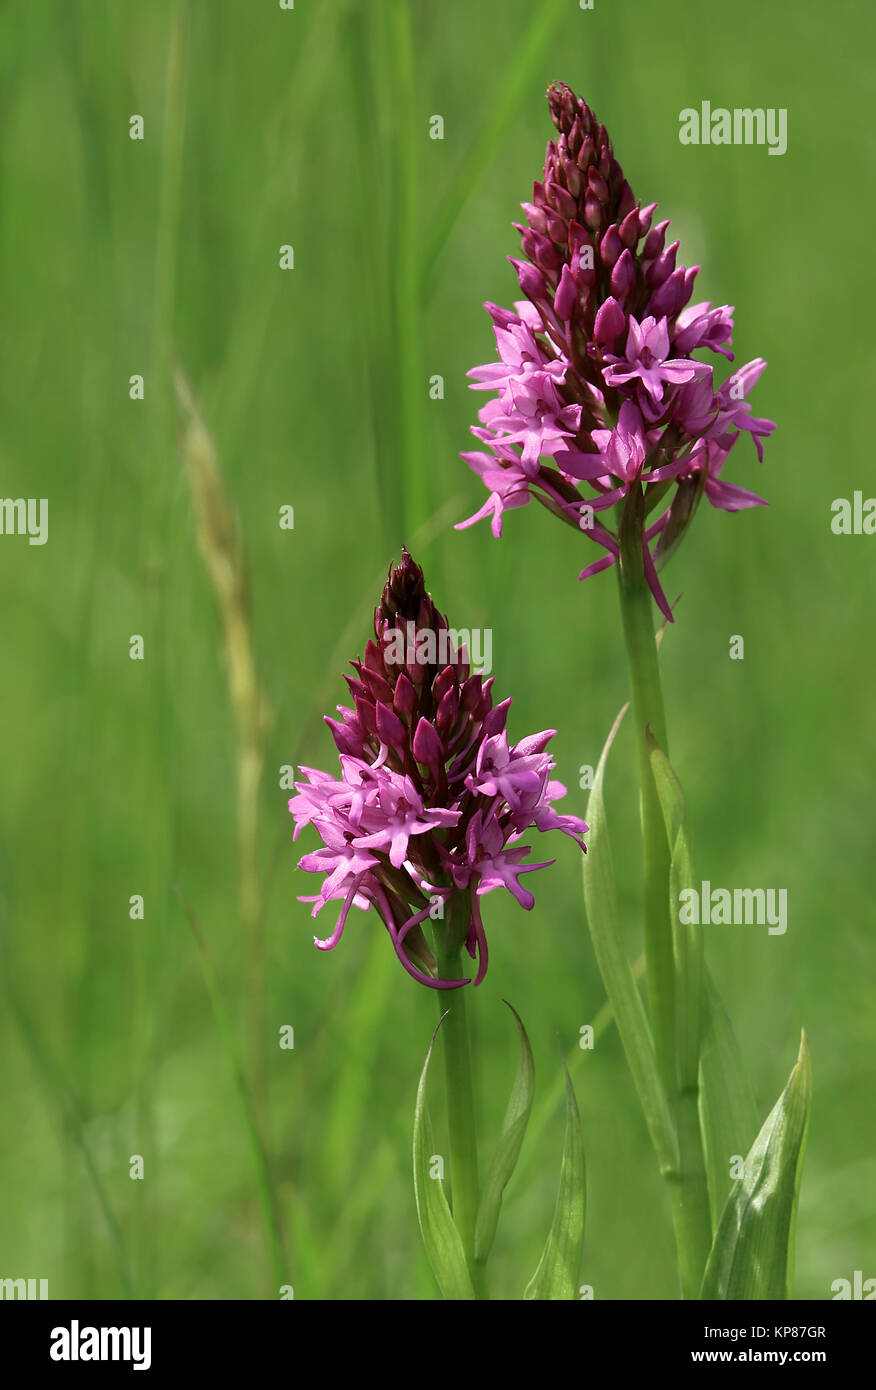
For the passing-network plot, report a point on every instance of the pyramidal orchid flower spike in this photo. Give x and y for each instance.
(431, 802)
(597, 391)
(605, 407)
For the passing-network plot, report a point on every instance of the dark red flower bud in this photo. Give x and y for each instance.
(663, 267)
(405, 698)
(623, 277)
(610, 323)
(670, 297)
(594, 215)
(655, 242)
(629, 230)
(566, 296)
(610, 247)
(598, 186)
(531, 280)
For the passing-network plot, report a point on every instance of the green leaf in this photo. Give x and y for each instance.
(600, 899)
(752, 1254)
(728, 1114)
(510, 1142)
(440, 1236)
(687, 939)
(560, 1265)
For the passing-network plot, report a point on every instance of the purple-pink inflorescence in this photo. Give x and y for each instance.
(431, 801)
(596, 383)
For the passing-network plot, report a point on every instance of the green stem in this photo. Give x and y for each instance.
(464, 1184)
(637, 611)
(687, 1185)
(691, 1216)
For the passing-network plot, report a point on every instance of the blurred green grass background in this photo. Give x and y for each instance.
(266, 127)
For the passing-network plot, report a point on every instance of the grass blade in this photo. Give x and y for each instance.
(601, 903)
(440, 1236)
(520, 77)
(63, 1100)
(510, 1143)
(687, 939)
(267, 1193)
(221, 550)
(560, 1265)
(728, 1115)
(405, 279)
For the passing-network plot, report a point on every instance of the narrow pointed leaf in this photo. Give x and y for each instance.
(440, 1236)
(752, 1254)
(560, 1265)
(600, 899)
(510, 1142)
(728, 1114)
(687, 938)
